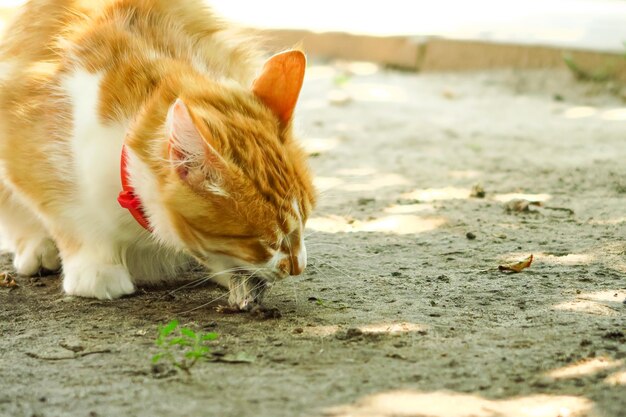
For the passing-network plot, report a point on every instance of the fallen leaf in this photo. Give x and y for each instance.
(517, 266)
(8, 281)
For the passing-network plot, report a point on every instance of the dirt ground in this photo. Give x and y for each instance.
(401, 312)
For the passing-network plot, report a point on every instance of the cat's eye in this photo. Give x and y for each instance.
(275, 245)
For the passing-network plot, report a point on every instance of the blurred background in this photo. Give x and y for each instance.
(442, 35)
(594, 24)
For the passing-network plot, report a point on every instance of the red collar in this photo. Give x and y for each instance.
(127, 197)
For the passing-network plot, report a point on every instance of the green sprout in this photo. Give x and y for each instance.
(341, 79)
(183, 349)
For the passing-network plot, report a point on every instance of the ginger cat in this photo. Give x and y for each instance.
(209, 164)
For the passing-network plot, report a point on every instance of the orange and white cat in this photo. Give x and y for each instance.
(210, 165)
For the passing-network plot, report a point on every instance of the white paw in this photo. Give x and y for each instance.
(37, 255)
(96, 280)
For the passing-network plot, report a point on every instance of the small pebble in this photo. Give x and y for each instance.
(470, 235)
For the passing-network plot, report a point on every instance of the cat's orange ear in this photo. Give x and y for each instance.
(188, 150)
(280, 82)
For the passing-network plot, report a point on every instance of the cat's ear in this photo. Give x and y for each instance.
(194, 158)
(280, 81)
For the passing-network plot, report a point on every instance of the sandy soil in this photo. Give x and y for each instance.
(399, 313)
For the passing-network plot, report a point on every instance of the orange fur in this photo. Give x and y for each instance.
(150, 53)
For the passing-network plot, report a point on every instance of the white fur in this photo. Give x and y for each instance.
(302, 255)
(112, 242)
(96, 149)
(86, 277)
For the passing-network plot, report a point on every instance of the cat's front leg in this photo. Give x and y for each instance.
(95, 275)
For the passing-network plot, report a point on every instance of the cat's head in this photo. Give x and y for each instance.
(237, 187)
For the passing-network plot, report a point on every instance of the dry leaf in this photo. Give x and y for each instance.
(517, 266)
(8, 281)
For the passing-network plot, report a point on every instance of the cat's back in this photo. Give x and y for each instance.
(34, 34)
(52, 39)
(51, 30)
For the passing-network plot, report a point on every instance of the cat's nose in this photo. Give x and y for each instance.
(291, 265)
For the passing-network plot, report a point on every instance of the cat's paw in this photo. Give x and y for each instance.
(105, 282)
(37, 255)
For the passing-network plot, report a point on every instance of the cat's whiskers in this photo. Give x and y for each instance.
(319, 271)
(327, 263)
(252, 274)
(197, 282)
(352, 253)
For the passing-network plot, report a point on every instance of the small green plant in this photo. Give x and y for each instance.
(182, 348)
(341, 79)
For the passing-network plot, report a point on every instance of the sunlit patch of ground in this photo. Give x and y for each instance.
(602, 303)
(450, 404)
(618, 114)
(437, 194)
(590, 367)
(615, 220)
(379, 181)
(395, 224)
(610, 296)
(569, 259)
(618, 378)
(582, 112)
(324, 184)
(585, 367)
(503, 198)
(374, 328)
(355, 183)
(579, 112)
(378, 93)
(392, 328)
(319, 145)
(583, 306)
(409, 208)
